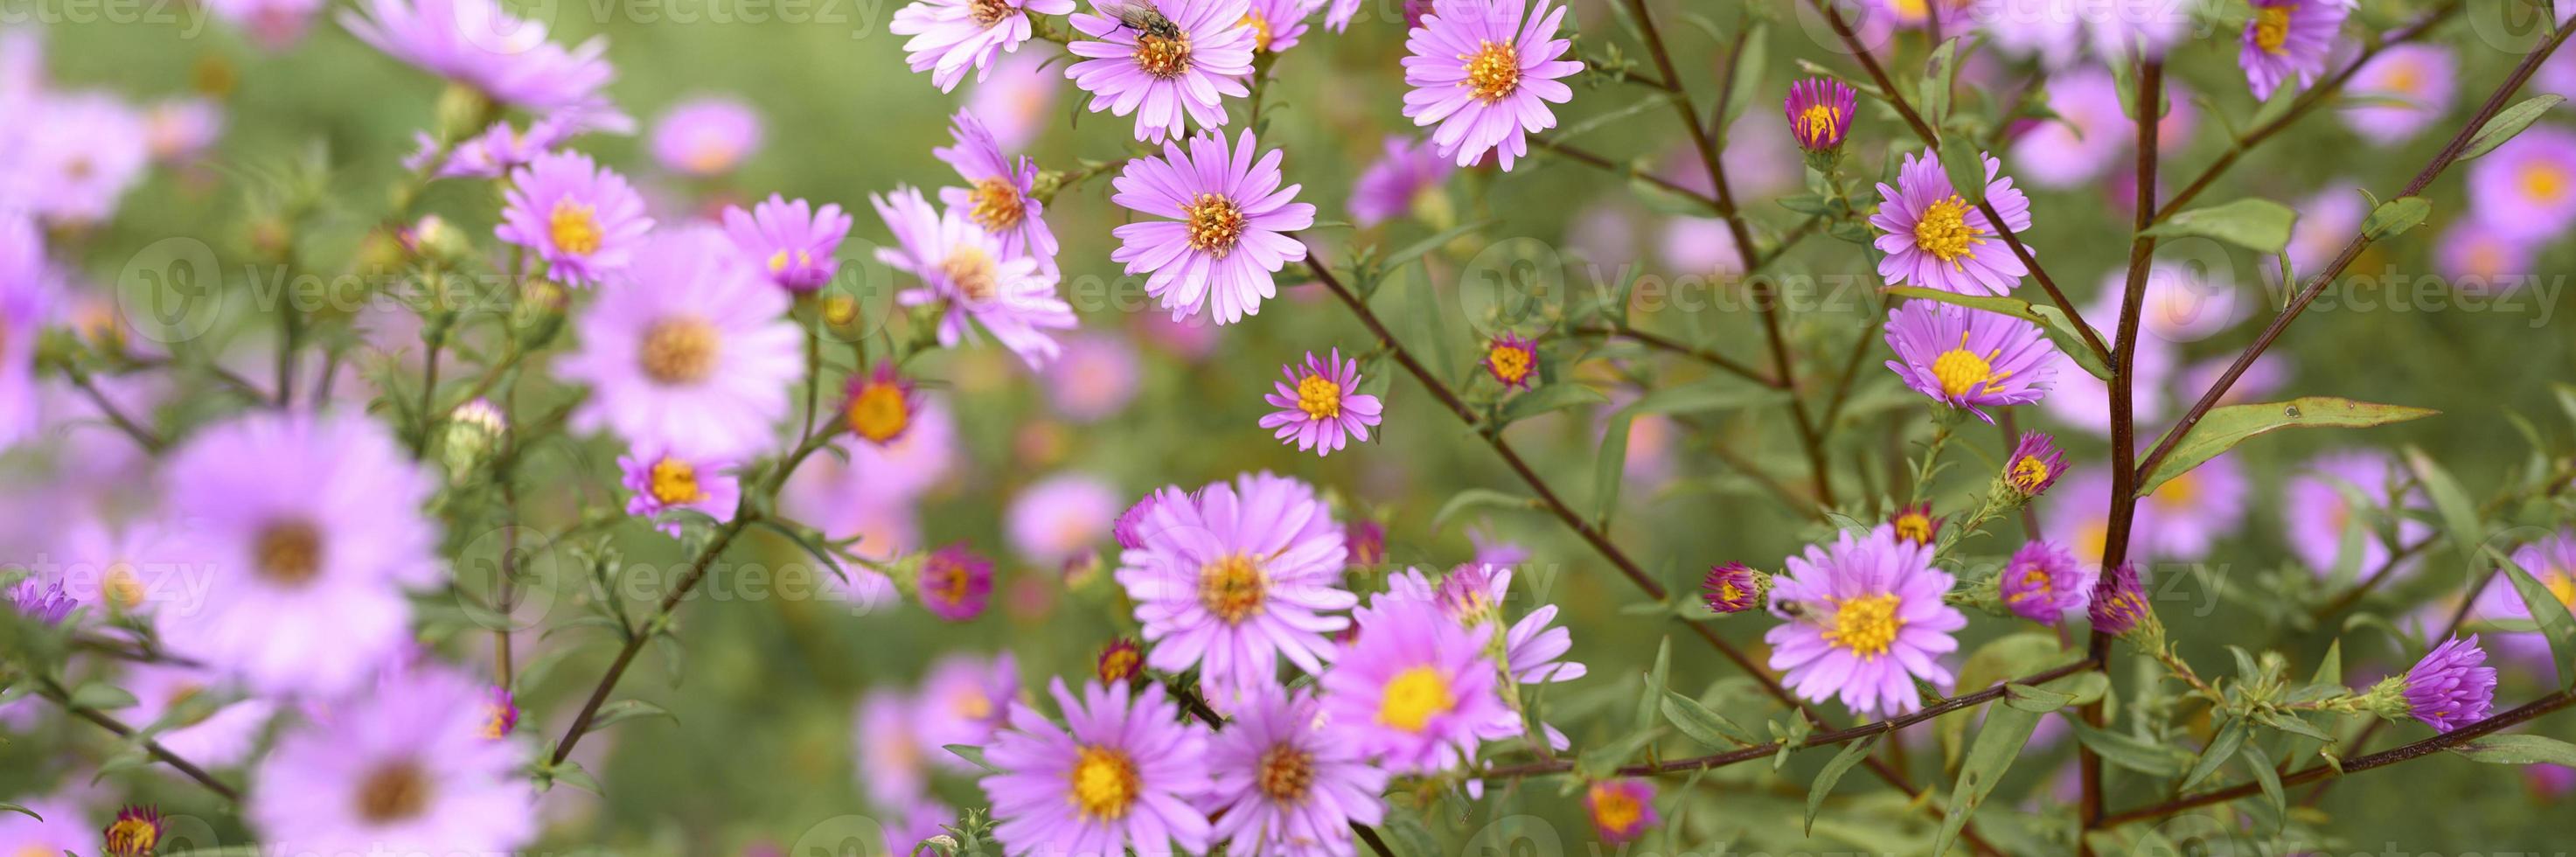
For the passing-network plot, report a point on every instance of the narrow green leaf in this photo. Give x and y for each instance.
(2051, 320)
(1704, 724)
(1438, 240)
(1746, 86)
(2222, 747)
(2394, 217)
(969, 752)
(2225, 427)
(2509, 123)
(1967, 171)
(624, 710)
(2260, 225)
(2549, 612)
(11, 807)
(1655, 684)
(2130, 752)
(1474, 498)
(1833, 773)
(1933, 99)
(2004, 658)
(2269, 778)
(2518, 749)
(101, 696)
(2459, 514)
(1549, 397)
(1998, 743)
(1429, 324)
(1610, 466)
(1603, 762)
(2036, 700)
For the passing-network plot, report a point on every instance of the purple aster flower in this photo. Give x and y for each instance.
(2480, 260)
(2418, 78)
(2119, 603)
(405, 767)
(26, 301)
(2288, 37)
(999, 199)
(2083, 401)
(1915, 524)
(1096, 377)
(1277, 24)
(1621, 809)
(1235, 576)
(1732, 588)
(793, 242)
(963, 267)
(2075, 147)
(1129, 529)
(2527, 188)
(2034, 465)
(275, 25)
(1968, 358)
(964, 698)
(503, 148)
(879, 406)
(2449, 688)
(1485, 74)
(692, 353)
(78, 155)
(180, 130)
(955, 583)
(1863, 618)
(2552, 562)
(41, 599)
(1221, 230)
(1474, 594)
(2043, 583)
(2187, 515)
(2179, 303)
(218, 736)
(1174, 58)
(1365, 541)
(2318, 509)
(583, 220)
(1937, 240)
(950, 36)
(1513, 360)
(706, 136)
(893, 762)
(1017, 99)
(1120, 661)
(1122, 775)
(310, 527)
(1058, 517)
(476, 43)
(1820, 112)
(1388, 188)
(664, 480)
(1280, 784)
(1319, 406)
(2118, 29)
(1416, 689)
(136, 832)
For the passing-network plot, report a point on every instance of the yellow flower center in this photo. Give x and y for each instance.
(1866, 625)
(711, 156)
(1493, 71)
(2034, 586)
(1816, 125)
(879, 412)
(1260, 29)
(496, 719)
(2563, 585)
(971, 704)
(1104, 784)
(123, 590)
(1163, 56)
(394, 792)
(2271, 28)
(132, 837)
(1285, 773)
(2543, 181)
(1510, 363)
(1232, 588)
(1319, 397)
(1414, 697)
(1914, 527)
(779, 261)
(974, 272)
(676, 482)
(2028, 473)
(1216, 224)
(1728, 591)
(996, 204)
(2178, 492)
(289, 552)
(1961, 371)
(574, 228)
(1944, 232)
(2091, 537)
(1615, 809)
(2404, 78)
(679, 350)
(988, 12)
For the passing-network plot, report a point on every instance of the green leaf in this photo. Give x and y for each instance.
(2394, 217)
(2133, 753)
(2509, 123)
(2036, 700)
(1714, 394)
(1933, 98)
(2222, 747)
(2269, 778)
(2225, 427)
(1967, 171)
(1549, 397)
(2051, 320)
(2459, 515)
(1704, 724)
(2260, 225)
(100, 696)
(2004, 658)
(1655, 683)
(1998, 743)
(970, 753)
(11, 807)
(2518, 749)
(1423, 247)
(1833, 773)
(1429, 324)
(1610, 466)
(627, 709)
(1477, 498)
(1745, 88)
(1603, 762)
(2546, 609)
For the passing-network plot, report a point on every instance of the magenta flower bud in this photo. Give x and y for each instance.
(2043, 583)
(1732, 588)
(1820, 113)
(2035, 464)
(2449, 689)
(2119, 602)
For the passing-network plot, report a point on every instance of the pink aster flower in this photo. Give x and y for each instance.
(793, 242)
(2480, 260)
(1174, 58)
(693, 353)
(503, 148)
(893, 763)
(1234, 576)
(706, 136)
(1059, 517)
(274, 24)
(2318, 503)
(1820, 112)
(1122, 775)
(2327, 220)
(2043, 583)
(951, 36)
(1621, 809)
(1387, 189)
(1096, 377)
(2179, 303)
(2450, 688)
(1513, 360)
(50, 826)
(2119, 603)
(1221, 230)
(1863, 618)
(2186, 516)
(1017, 98)
(1968, 358)
(2288, 37)
(2083, 401)
(955, 583)
(2034, 465)
(1277, 24)
(663, 480)
(41, 598)
(1935, 239)
(2527, 188)
(310, 527)
(1416, 689)
(964, 267)
(1280, 783)
(583, 220)
(1485, 75)
(476, 43)
(2418, 78)
(180, 130)
(999, 198)
(26, 301)
(79, 154)
(219, 734)
(1319, 406)
(405, 768)
(2074, 148)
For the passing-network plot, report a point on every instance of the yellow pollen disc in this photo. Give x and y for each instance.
(996, 205)
(1216, 224)
(123, 590)
(2405, 79)
(392, 793)
(971, 704)
(1729, 591)
(1260, 30)
(1232, 588)
(1163, 56)
(974, 272)
(2091, 537)
(1817, 123)
(1944, 232)
(2271, 28)
(676, 482)
(1319, 397)
(1911, 10)
(2028, 472)
(779, 261)
(289, 552)
(496, 721)
(2562, 585)
(574, 228)
(1414, 697)
(1285, 773)
(1914, 527)
(679, 350)
(711, 157)
(133, 836)
(2034, 585)
(1493, 71)
(2178, 492)
(878, 412)
(2543, 181)
(988, 12)
(1615, 809)
(1866, 625)
(1961, 371)
(1104, 784)
(1510, 363)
